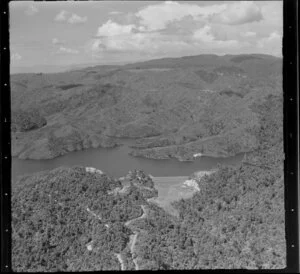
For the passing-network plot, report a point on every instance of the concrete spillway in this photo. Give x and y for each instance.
(169, 179)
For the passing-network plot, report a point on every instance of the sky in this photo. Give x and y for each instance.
(70, 33)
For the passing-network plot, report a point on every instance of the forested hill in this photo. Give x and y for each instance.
(72, 219)
(79, 219)
(236, 221)
(175, 106)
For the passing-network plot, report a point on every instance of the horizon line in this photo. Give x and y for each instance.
(94, 64)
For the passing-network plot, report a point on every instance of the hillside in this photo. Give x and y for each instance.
(72, 219)
(173, 107)
(236, 220)
(69, 219)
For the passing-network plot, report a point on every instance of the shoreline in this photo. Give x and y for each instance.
(118, 142)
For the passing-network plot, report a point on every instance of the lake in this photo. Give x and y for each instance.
(116, 162)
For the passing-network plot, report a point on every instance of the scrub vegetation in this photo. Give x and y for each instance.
(176, 107)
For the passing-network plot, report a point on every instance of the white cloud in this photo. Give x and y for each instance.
(272, 12)
(248, 34)
(155, 17)
(114, 37)
(158, 16)
(205, 36)
(68, 50)
(239, 13)
(271, 44)
(76, 19)
(174, 29)
(95, 46)
(111, 28)
(125, 41)
(61, 16)
(71, 18)
(115, 12)
(15, 57)
(274, 37)
(55, 41)
(31, 10)
(155, 43)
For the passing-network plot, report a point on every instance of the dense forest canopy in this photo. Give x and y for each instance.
(57, 214)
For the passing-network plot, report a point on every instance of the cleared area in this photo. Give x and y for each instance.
(171, 189)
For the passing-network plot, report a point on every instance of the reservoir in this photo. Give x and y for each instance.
(116, 162)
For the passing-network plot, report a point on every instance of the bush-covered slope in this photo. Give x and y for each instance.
(68, 220)
(71, 220)
(177, 106)
(237, 220)
(74, 220)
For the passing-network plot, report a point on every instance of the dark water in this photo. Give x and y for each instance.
(116, 162)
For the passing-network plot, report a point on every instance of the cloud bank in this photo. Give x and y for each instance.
(68, 17)
(67, 50)
(169, 28)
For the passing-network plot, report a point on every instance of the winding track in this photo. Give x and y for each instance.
(119, 257)
(134, 236)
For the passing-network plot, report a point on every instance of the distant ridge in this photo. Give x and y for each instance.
(167, 61)
(203, 59)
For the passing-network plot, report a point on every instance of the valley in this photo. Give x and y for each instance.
(174, 163)
(173, 107)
